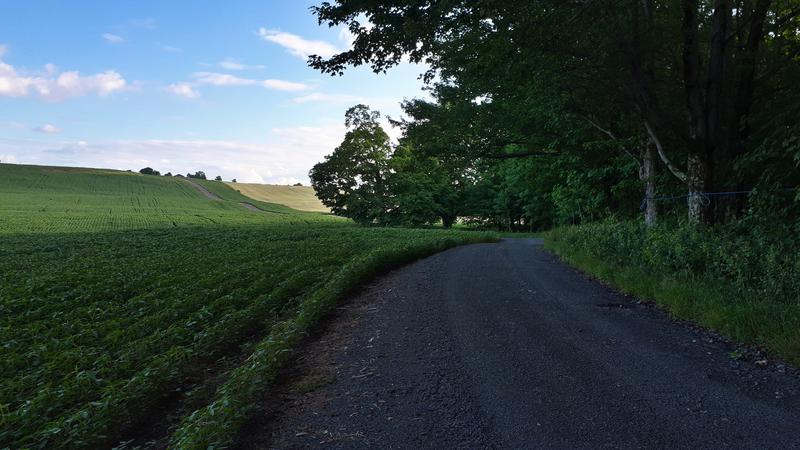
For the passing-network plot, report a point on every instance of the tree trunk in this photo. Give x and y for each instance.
(647, 175)
(696, 177)
(447, 221)
(697, 164)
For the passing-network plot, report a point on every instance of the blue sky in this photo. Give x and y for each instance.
(180, 86)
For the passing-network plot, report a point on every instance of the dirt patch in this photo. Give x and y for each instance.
(251, 207)
(298, 385)
(204, 191)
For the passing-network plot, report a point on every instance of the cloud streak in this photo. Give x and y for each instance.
(296, 45)
(47, 129)
(183, 90)
(113, 38)
(319, 97)
(232, 64)
(224, 79)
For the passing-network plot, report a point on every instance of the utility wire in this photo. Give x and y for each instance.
(705, 197)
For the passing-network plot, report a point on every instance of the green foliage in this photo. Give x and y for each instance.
(426, 189)
(149, 171)
(352, 180)
(745, 256)
(590, 84)
(742, 279)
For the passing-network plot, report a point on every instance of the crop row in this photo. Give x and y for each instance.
(94, 326)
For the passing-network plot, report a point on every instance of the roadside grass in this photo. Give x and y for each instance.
(742, 315)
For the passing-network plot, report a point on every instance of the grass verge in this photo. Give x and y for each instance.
(741, 315)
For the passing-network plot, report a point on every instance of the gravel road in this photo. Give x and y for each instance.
(503, 346)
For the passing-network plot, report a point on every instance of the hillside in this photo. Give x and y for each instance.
(301, 198)
(65, 199)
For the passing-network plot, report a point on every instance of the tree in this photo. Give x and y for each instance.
(218, 178)
(352, 180)
(632, 72)
(233, 181)
(198, 175)
(424, 189)
(149, 171)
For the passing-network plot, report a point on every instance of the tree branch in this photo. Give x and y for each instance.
(672, 168)
(524, 154)
(610, 134)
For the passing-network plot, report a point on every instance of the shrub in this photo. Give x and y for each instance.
(749, 256)
(149, 171)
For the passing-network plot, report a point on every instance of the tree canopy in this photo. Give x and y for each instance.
(549, 112)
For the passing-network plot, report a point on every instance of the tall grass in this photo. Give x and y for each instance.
(743, 282)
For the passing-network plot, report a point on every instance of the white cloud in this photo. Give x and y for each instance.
(113, 38)
(221, 79)
(286, 154)
(233, 64)
(47, 129)
(346, 37)
(8, 159)
(296, 45)
(224, 79)
(183, 90)
(281, 85)
(51, 86)
(329, 98)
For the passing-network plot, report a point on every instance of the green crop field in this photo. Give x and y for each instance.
(117, 288)
(37, 199)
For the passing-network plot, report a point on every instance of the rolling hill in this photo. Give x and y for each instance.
(36, 199)
(301, 198)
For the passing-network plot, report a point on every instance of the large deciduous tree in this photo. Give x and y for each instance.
(352, 180)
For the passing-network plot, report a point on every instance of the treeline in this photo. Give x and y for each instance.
(548, 113)
(200, 175)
